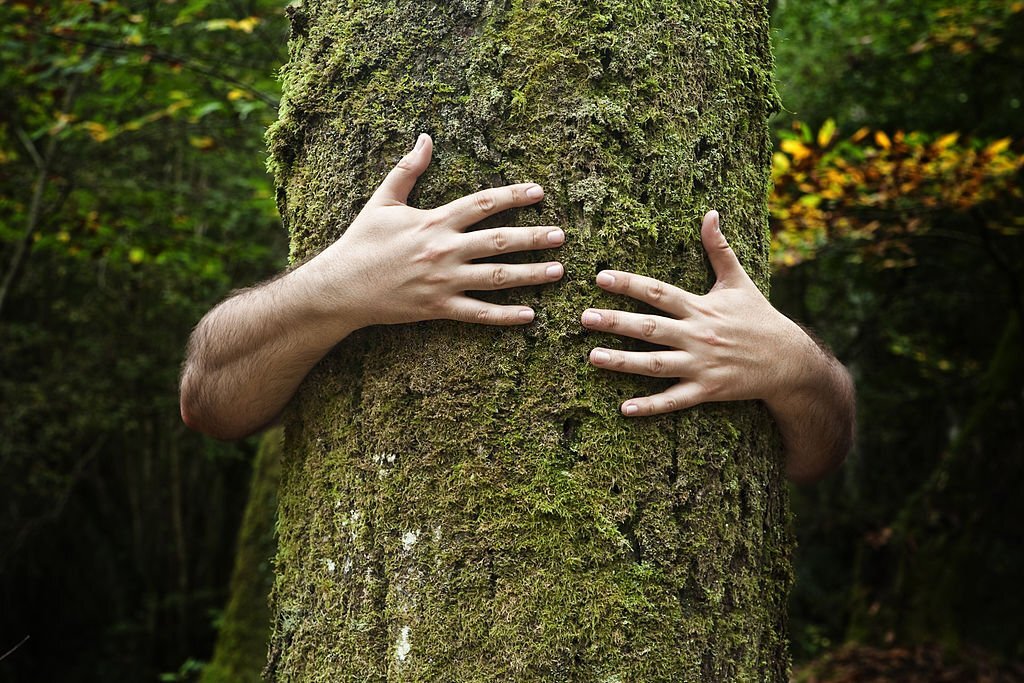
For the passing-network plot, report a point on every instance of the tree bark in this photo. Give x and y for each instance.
(245, 628)
(465, 503)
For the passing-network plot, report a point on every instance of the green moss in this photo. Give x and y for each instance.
(241, 650)
(554, 539)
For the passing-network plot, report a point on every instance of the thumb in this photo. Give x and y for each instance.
(399, 182)
(727, 267)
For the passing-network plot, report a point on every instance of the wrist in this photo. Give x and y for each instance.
(800, 363)
(327, 296)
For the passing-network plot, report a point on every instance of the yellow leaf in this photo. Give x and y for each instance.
(860, 134)
(998, 146)
(882, 140)
(237, 94)
(827, 132)
(137, 255)
(780, 163)
(248, 24)
(245, 25)
(97, 131)
(946, 141)
(204, 142)
(795, 149)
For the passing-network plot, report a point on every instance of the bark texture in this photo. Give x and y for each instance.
(463, 503)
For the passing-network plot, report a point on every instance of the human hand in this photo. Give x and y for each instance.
(727, 345)
(400, 264)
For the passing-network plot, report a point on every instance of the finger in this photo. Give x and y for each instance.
(677, 397)
(468, 310)
(465, 211)
(399, 182)
(650, 363)
(483, 243)
(489, 276)
(653, 328)
(659, 294)
(723, 259)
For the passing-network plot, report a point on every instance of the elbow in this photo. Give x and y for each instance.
(200, 417)
(189, 405)
(811, 466)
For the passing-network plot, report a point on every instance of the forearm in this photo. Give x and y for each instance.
(248, 355)
(815, 414)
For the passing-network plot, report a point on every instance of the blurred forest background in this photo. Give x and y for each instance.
(133, 196)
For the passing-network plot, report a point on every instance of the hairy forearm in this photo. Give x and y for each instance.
(815, 414)
(247, 356)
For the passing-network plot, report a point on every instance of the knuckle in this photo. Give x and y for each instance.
(516, 195)
(484, 201)
(436, 278)
(710, 388)
(404, 163)
(648, 327)
(655, 364)
(656, 291)
(500, 240)
(536, 237)
(436, 219)
(711, 338)
(482, 315)
(618, 360)
(671, 404)
(499, 275)
(432, 254)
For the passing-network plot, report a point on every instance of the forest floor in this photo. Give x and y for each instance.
(921, 664)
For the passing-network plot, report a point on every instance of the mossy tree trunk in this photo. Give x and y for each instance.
(244, 631)
(465, 503)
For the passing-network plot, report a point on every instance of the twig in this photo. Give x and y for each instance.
(11, 651)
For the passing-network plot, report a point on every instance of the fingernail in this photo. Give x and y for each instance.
(420, 141)
(554, 270)
(526, 315)
(591, 318)
(629, 409)
(715, 221)
(605, 279)
(556, 237)
(535, 192)
(599, 356)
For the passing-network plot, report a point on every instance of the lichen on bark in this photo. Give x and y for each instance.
(465, 503)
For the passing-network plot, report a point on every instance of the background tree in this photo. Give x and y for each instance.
(464, 502)
(244, 630)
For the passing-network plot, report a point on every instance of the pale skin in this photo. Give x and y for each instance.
(399, 264)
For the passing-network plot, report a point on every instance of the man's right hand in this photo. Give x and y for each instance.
(399, 264)
(394, 264)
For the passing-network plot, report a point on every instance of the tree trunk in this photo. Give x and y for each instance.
(245, 628)
(465, 503)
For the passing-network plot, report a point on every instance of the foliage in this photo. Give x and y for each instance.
(930, 65)
(877, 194)
(133, 197)
(904, 251)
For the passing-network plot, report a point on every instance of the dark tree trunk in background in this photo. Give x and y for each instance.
(464, 503)
(241, 648)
